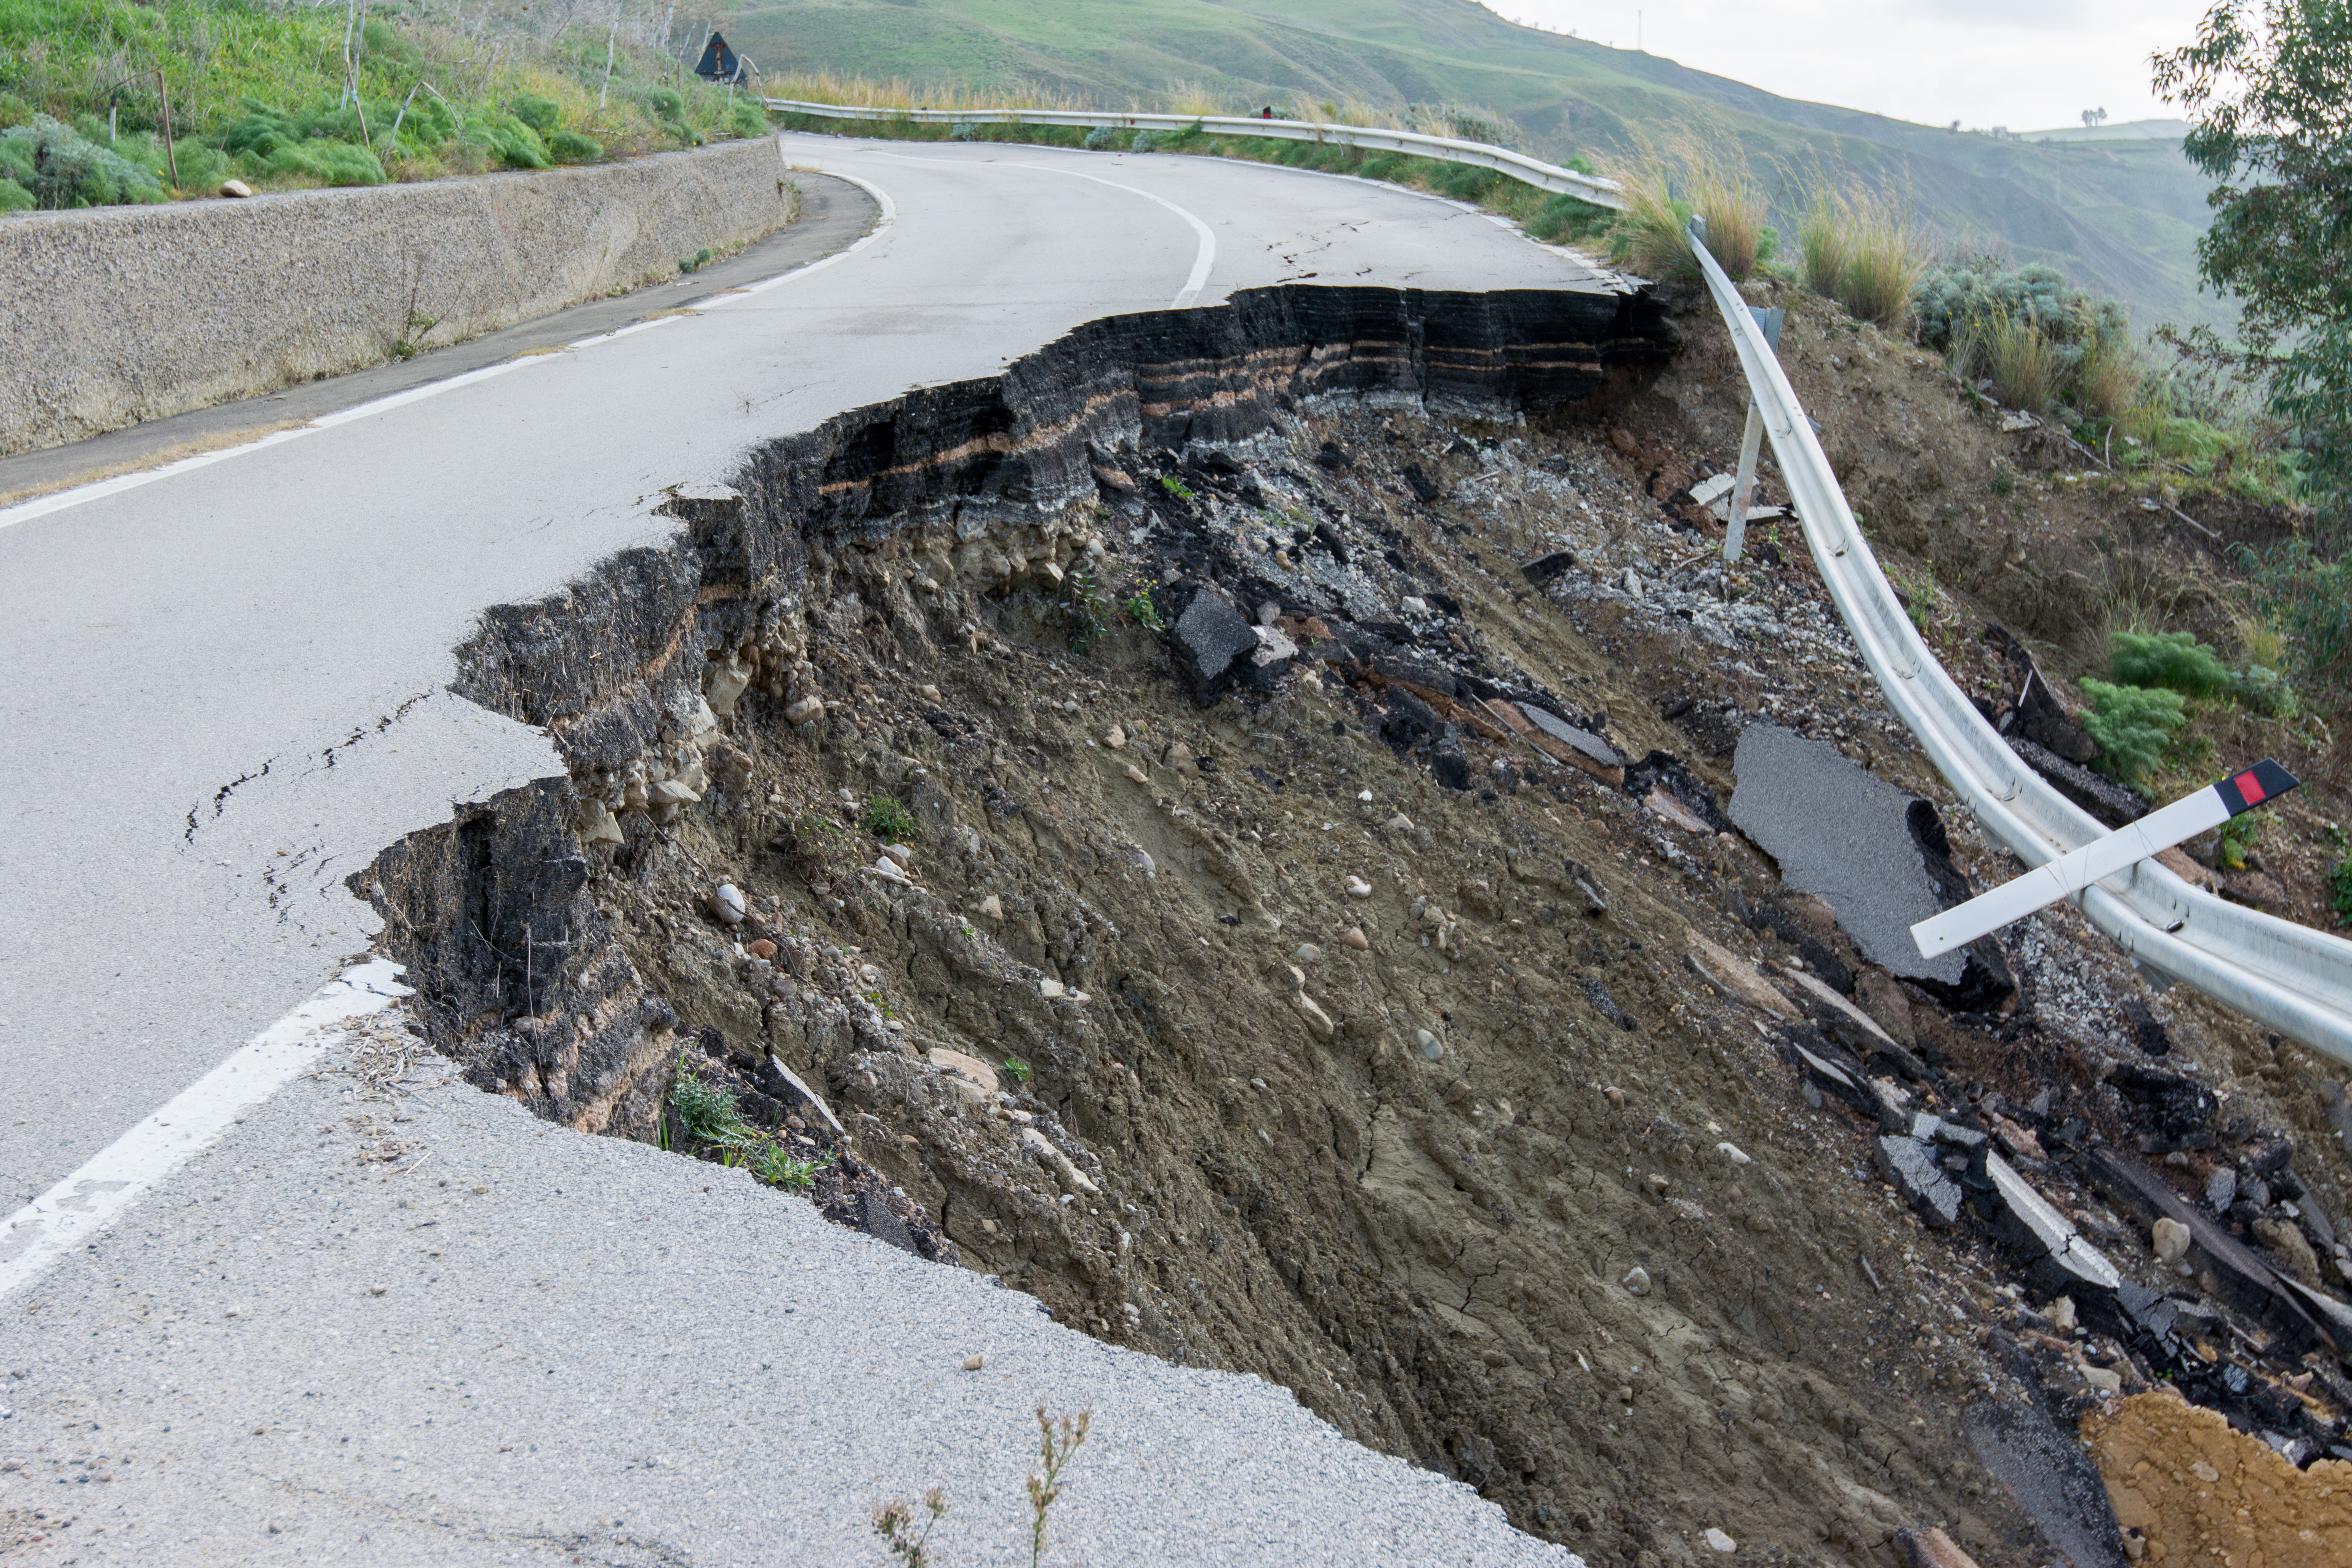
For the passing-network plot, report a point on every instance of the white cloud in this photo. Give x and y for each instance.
(2029, 65)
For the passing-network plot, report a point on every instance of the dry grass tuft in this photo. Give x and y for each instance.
(1702, 172)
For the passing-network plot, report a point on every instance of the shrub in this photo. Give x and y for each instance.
(888, 819)
(540, 113)
(14, 198)
(2339, 890)
(2175, 661)
(2309, 598)
(1144, 142)
(1558, 220)
(748, 120)
(964, 130)
(571, 147)
(2133, 725)
(1102, 139)
(60, 167)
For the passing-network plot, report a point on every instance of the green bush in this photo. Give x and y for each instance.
(2309, 598)
(1143, 142)
(1102, 139)
(571, 147)
(2175, 661)
(748, 120)
(888, 820)
(60, 167)
(1561, 219)
(2339, 890)
(708, 1111)
(14, 197)
(540, 113)
(2133, 725)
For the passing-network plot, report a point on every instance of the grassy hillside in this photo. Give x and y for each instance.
(2119, 215)
(259, 92)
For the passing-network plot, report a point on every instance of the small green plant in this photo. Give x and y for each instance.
(1918, 591)
(1018, 1069)
(887, 820)
(2238, 836)
(1141, 611)
(2133, 725)
(779, 1167)
(708, 1111)
(2174, 661)
(2339, 882)
(700, 258)
(1085, 608)
(1175, 486)
(2004, 480)
(894, 1523)
(1058, 1442)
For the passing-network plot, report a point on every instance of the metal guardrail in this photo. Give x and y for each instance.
(1533, 170)
(2296, 980)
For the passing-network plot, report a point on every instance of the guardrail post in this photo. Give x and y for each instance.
(1734, 536)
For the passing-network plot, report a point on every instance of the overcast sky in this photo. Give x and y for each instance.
(2030, 64)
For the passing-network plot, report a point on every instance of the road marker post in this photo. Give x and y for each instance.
(2102, 857)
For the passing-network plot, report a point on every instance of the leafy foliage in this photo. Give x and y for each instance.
(888, 819)
(2175, 661)
(2339, 890)
(2133, 725)
(2309, 597)
(708, 1111)
(2034, 334)
(57, 166)
(2266, 90)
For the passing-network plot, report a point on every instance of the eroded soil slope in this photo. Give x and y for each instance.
(1359, 981)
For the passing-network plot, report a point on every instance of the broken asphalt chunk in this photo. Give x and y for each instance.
(1544, 569)
(1917, 1172)
(1208, 637)
(2056, 1258)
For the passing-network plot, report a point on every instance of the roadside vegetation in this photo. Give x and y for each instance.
(308, 96)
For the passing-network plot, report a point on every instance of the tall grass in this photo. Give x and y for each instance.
(1694, 173)
(1860, 249)
(2020, 358)
(2109, 381)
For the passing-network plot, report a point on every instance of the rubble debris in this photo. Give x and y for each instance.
(1917, 1172)
(2055, 1257)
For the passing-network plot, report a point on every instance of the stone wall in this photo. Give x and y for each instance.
(115, 315)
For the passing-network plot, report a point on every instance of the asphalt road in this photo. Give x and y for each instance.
(226, 694)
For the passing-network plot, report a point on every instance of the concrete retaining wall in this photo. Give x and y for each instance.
(115, 315)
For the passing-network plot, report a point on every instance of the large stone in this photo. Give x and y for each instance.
(1210, 637)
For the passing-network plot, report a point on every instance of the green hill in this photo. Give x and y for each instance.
(2118, 215)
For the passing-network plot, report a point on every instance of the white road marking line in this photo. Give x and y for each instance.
(58, 501)
(73, 1211)
(1205, 255)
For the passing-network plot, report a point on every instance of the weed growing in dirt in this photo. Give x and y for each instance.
(1018, 1069)
(2238, 836)
(1085, 608)
(2133, 726)
(778, 1168)
(1918, 590)
(888, 819)
(1140, 610)
(2339, 880)
(1175, 486)
(1695, 173)
(700, 258)
(708, 1111)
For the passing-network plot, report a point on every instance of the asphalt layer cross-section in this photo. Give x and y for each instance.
(227, 692)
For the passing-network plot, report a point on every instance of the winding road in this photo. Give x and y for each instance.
(226, 692)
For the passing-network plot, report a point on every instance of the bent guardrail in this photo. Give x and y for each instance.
(1519, 167)
(2294, 979)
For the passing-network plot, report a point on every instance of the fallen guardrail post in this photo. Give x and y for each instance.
(1743, 487)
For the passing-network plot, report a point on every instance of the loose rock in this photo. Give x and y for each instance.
(1636, 1281)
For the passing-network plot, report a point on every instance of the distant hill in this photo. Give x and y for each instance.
(2125, 131)
(2119, 214)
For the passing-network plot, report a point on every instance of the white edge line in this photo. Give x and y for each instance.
(77, 1209)
(59, 500)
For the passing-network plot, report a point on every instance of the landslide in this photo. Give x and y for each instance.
(1326, 1024)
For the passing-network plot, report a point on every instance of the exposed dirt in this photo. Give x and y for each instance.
(2191, 1489)
(1363, 1035)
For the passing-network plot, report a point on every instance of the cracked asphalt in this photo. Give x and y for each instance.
(227, 694)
